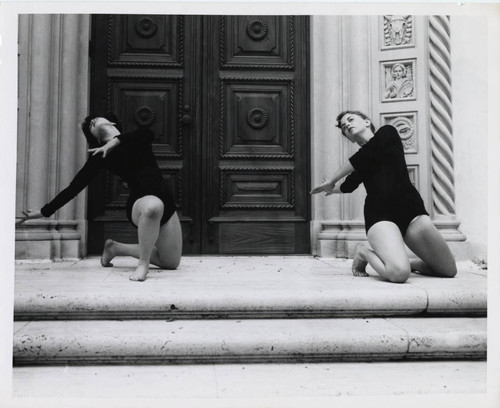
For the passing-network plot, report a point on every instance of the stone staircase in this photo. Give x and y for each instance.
(243, 310)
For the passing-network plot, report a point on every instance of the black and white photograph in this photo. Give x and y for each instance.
(255, 205)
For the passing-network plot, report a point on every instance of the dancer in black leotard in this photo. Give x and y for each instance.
(150, 206)
(394, 211)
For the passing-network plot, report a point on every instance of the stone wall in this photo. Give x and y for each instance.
(470, 127)
(349, 57)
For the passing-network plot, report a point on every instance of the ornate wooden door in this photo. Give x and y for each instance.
(257, 144)
(227, 97)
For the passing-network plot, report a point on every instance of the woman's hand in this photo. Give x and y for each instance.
(29, 215)
(327, 187)
(104, 150)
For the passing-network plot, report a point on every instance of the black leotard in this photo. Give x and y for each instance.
(133, 161)
(380, 165)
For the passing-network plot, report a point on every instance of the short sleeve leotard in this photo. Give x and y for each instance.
(134, 162)
(380, 165)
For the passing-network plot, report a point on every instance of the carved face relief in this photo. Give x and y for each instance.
(398, 71)
(399, 81)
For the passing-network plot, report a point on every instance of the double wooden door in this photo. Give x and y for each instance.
(228, 100)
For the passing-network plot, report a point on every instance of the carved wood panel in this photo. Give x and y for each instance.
(258, 188)
(257, 42)
(257, 118)
(142, 40)
(154, 103)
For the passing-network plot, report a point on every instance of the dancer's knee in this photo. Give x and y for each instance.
(449, 271)
(398, 273)
(152, 210)
(169, 264)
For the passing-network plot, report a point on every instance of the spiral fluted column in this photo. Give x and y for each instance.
(441, 126)
(441, 129)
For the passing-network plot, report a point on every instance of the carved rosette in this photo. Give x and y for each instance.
(146, 27)
(398, 31)
(144, 116)
(443, 190)
(257, 30)
(257, 118)
(406, 128)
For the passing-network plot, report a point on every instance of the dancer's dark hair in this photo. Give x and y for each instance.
(354, 112)
(91, 140)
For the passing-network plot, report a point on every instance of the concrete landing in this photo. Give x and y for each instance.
(222, 382)
(238, 287)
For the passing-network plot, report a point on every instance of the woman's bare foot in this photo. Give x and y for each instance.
(358, 261)
(108, 253)
(140, 273)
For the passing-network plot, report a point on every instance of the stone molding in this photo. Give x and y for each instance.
(41, 230)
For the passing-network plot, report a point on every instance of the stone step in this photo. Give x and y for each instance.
(247, 341)
(238, 288)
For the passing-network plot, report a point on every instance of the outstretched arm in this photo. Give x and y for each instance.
(104, 150)
(81, 180)
(29, 215)
(329, 186)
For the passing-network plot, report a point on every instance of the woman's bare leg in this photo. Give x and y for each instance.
(115, 248)
(146, 214)
(388, 257)
(436, 259)
(169, 244)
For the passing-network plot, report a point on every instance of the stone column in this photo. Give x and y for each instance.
(341, 80)
(53, 99)
(441, 129)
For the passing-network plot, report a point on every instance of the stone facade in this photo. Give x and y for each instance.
(398, 69)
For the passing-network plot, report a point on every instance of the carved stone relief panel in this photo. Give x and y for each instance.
(406, 125)
(266, 188)
(398, 81)
(261, 42)
(413, 173)
(397, 32)
(256, 118)
(145, 40)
